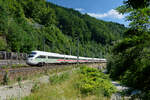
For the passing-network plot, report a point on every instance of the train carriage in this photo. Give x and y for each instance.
(41, 58)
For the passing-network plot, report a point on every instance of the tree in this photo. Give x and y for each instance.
(137, 3)
(130, 60)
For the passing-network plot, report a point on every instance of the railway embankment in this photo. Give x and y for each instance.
(27, 77)
(24, 72)
(22, 88)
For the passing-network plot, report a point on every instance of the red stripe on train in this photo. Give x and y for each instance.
(72, 60)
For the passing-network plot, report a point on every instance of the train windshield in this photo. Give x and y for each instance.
(32, 54)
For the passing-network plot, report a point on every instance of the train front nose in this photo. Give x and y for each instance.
(29, 61)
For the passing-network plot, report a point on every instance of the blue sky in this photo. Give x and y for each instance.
(100, 9)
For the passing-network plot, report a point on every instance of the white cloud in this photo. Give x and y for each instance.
(110, 14)
(79, 9)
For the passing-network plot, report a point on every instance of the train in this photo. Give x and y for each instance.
(41, 58)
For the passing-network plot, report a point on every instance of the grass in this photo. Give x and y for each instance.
(55, 79)
(63, 87)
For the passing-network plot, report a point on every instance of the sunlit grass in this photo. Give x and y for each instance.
(63, 90)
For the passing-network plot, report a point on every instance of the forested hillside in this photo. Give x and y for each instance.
(27, 25)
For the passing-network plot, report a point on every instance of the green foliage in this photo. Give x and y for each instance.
(93, 81)
(130, 59)
(56, 79)
(35, 87)
(3, 44)
(4, 66)
(39, 25)
(66, 90)
(16, 66)
(140, 4)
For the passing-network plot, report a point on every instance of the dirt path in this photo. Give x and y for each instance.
(117, 96)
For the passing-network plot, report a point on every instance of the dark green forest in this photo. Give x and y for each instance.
(27, 25)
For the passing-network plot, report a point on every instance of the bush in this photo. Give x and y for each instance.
(92, 81)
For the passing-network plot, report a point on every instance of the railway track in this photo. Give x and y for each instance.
(29, 68)
(23, 69)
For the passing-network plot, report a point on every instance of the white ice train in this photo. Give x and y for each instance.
(40, 58)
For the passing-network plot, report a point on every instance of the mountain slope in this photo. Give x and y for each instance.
(36, 24)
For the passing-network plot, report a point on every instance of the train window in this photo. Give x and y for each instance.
(30, 56)
(51, 57)
(41, 56)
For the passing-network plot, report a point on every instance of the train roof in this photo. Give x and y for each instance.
(54, 54)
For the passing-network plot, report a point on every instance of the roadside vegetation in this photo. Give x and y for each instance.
(82, 84)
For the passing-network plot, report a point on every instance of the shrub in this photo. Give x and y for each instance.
(92, 80)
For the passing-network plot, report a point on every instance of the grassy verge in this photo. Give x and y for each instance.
(83, 84)
(13, 66)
